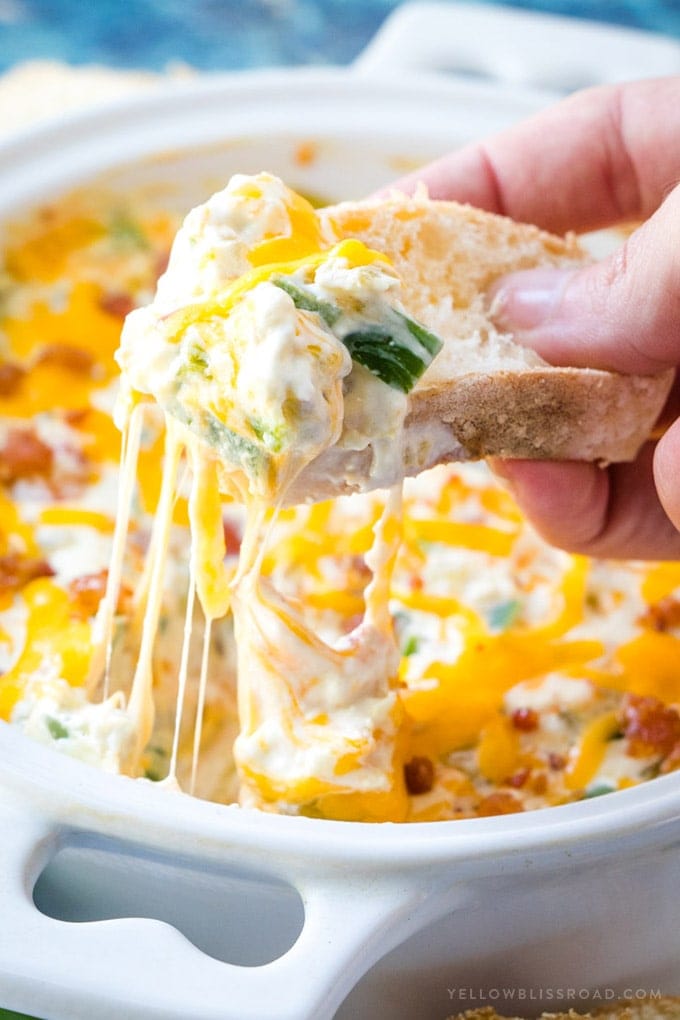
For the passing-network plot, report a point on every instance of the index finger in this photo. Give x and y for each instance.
(600, 157)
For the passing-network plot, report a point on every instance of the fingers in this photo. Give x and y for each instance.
(667, 472)
(600, 157)
(613, 513)
(621, 314)
(566, 502)
(671, 409)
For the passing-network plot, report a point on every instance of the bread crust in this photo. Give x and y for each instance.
(564, 414)
(537, 414)
(662, 1008)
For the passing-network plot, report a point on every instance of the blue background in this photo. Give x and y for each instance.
(231, 34)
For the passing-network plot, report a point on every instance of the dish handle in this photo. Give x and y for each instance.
(139, 967)
(542, 52)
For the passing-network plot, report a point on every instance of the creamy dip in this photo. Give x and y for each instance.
(161, 615)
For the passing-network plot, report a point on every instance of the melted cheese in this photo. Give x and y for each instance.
(57, 644)
(317, 719)
(360, 649)
(321, 722)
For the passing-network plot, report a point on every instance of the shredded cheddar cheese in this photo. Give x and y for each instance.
(353, 659)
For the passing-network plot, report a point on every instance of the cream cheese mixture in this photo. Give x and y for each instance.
(404, 656)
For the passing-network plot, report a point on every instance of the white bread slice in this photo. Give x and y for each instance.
(484, 394)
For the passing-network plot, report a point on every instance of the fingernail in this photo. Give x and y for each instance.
(527, 299)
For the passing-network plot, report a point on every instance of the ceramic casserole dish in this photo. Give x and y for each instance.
(118, 900)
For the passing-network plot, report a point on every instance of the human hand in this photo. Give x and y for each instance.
(602, 157)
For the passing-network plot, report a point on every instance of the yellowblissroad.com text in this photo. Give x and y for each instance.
(564, 995)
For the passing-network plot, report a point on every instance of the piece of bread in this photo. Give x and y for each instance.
(484, 394)
(662, 1008)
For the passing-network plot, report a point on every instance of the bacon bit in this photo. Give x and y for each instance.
(24, 456)
(672, 761)
(518, 779)
(539, 783)
(232, 537)
(662, 615)
(16, 571)
(47, 213)
(88, 590)
(419, 775)
(525, 719)
(498, 803)
(649, 726)
(11, 375)
(75, 359)
(116, 303)
(556, 761)
(77, 416)
(305, 154)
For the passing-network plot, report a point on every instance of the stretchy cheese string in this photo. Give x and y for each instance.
(140, 703)
(200, 707)
(380, 559)
(183, 673)
(132, 432)
(213, 579)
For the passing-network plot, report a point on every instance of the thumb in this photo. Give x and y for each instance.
(621, 314)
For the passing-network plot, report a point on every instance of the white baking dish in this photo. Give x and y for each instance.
(560, 905)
